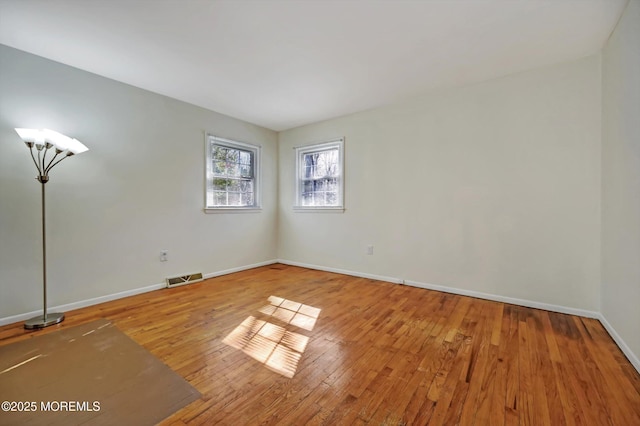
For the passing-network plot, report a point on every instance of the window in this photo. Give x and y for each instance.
(320, 177)
(232, 175)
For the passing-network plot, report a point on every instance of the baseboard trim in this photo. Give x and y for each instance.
(122, 294)
(341, 271)
(633, 358)
(453, 290)
(82, 303)
(504, 299)
(240, 268)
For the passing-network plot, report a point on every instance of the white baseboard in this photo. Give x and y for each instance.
(82, 303)
(240, 268)
(341, 271)
(633, 358)
(120, 295)
(453, 290)
(511, 300)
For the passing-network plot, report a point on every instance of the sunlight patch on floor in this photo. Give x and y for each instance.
(273, 345)
(291, 312)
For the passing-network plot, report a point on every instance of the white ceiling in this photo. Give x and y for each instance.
(282, 64)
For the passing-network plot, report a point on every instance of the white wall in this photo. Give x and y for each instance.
(111, 210)
(621, 180)
(491, 188)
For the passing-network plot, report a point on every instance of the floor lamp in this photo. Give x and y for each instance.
(47, 142)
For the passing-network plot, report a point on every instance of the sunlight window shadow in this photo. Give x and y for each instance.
(273, 345)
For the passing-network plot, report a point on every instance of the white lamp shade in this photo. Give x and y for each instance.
(77, 147)
(58, 140)
(29, 135)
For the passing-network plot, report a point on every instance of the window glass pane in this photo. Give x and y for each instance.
(232, 169)
(331, 198)
(308, 172)
(246, 170)
(232, 172)
(332, 185)
(232, 155)
(310, 165)
(245, 157)
(319, 175)
(219, 167)
(307, 186)
(247, 198)
(234, 198)
(220, 198)
(321, 164)
(219, 153)
(307, 199)
(220, 184)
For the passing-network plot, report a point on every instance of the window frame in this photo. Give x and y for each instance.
(300, 151)
(210, 142)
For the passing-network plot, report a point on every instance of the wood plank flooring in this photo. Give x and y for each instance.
(378, 353)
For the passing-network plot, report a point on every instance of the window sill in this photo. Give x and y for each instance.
(318, 209)
(214, 210)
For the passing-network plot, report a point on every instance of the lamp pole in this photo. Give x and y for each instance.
(44, 180)
(44, 320)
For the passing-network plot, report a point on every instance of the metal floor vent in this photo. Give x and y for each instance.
(184, 279)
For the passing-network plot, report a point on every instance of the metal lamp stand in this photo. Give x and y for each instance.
(46, 319)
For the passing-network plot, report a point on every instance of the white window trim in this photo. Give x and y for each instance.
(257, 149)
(299, 152)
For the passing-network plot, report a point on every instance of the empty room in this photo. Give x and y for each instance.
(320, 212)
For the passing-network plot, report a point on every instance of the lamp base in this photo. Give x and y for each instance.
(41, 322)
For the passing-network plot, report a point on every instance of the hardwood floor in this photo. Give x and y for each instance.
(378, 353)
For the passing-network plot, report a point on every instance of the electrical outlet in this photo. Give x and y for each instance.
(369, 249)
(164, 255)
